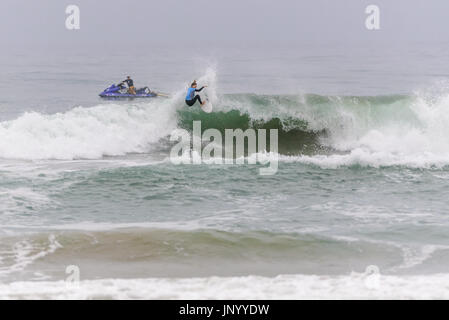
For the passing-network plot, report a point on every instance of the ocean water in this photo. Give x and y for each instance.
(357, 208)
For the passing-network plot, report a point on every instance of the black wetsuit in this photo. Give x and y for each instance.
(191, 101)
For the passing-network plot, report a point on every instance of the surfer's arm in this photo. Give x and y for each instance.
(198, 90)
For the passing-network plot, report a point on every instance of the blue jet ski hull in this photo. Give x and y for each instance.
(127, 95)
(119, 91)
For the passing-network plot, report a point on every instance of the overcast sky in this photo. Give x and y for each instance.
(222, 23)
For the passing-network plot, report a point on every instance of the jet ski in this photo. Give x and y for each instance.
(120, 91)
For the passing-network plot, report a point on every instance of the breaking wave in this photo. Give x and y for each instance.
(409, 130)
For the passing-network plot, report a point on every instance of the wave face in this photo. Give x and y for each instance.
(379, 130)
(307, 124)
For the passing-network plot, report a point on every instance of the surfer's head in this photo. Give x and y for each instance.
(193, 85)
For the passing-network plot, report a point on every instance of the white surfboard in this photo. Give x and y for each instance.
(207, 107)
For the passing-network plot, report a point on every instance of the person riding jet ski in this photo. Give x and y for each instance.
(130, 83)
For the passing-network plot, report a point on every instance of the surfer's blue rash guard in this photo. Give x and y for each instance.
(191, 93)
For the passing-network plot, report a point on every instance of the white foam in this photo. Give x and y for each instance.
(367, 158)
(419, 142)
(353, 286)
(88, 133)
(24, 253)
(189, 225)
(13, 200)
(416, 256)
(411, 132)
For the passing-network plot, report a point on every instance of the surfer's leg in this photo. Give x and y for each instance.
(194, 100)
(197, 97)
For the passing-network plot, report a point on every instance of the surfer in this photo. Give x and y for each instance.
(191, 97)
(130, 83)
